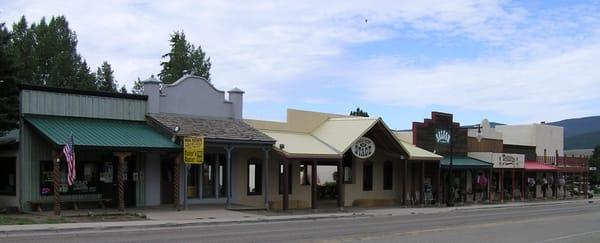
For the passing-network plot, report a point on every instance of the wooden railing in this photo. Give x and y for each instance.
(564, 161)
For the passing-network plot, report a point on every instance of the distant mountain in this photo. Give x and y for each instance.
(580, 133)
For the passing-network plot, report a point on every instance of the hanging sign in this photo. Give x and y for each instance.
(193, 150)
(442, 136)
(363, 148)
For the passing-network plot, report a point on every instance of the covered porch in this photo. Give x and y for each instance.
(110, 160)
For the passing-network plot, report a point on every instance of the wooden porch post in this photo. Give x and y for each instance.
(404, 181)
(286, 165)
(229, 149)
(489, 191)
(266, 149)
(121, 179)
(56, 180)
(422, 185)
(313, 185)
(512, 191)
(523, 185)
(340, 184)
(177, 181)
(439, 184)
(501, 185)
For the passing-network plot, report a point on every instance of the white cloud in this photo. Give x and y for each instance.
(251, 44)
(267, 47)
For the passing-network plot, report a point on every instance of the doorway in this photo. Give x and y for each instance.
(166, 180)
(327, 187)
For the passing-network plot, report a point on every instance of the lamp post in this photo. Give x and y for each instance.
(450, 199)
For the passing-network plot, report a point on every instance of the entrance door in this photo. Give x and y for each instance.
(166, 180)
(130, 192)
(327, 188)
(208, 177)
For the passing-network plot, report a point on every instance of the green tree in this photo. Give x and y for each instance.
(594, 161)
(184, 58)
(138, 88)
(9, 101)
(359, 112)
(45, 53)
(22, 49)
(105, 79)
(123, 90)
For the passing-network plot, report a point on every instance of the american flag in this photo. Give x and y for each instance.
(69, 153)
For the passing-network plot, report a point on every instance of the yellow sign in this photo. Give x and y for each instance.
(193, 150)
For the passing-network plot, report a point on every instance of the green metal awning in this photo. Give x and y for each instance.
(463, 162)
(94, 133)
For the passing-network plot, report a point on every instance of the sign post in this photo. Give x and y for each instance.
(193, 153)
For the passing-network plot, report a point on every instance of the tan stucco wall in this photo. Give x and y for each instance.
(354, 192)
(300, 196)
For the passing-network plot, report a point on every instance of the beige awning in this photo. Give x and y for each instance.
(302, 145)
(416, 153)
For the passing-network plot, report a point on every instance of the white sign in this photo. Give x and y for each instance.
(501, 160)
(592, 168)
(442, 136)
(363, 148)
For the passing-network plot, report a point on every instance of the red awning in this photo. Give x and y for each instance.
(536, 166)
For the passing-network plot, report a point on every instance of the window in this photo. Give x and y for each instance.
(8, 176)
(388, 173)
(367, 176)
(347, 168)
(305, 173)
(254, 177)
(91, 176)
(281, 178)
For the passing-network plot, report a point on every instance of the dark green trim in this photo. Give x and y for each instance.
(82, 92)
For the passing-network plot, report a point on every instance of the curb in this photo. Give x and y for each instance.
(174, 224)
(58, 230)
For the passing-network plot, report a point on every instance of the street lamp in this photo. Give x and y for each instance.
(450, 199)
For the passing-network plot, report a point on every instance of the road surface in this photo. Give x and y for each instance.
(574, 222)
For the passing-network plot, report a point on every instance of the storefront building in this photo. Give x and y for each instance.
(441, 135)
(374, 167)
(192, 106)
(112, 144)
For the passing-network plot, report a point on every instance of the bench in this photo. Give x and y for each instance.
(37, 205)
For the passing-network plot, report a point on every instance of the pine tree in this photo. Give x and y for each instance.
(123, 90)
(9, 101)
(184, 58)
(138, 88)
(359, 112)
(22, 49)
(45, 53)
(105, 79)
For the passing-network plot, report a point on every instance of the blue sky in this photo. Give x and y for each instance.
(511, 62)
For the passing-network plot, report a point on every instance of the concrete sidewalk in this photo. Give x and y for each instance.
(217, 215)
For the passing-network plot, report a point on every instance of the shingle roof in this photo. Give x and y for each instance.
(211, 128)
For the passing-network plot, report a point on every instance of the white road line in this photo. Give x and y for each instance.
(569, 236)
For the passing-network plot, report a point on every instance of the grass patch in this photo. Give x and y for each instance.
(12, 220)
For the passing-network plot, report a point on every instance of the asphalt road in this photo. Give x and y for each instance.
(576, 222)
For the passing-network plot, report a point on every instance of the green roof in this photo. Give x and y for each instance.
(465, 162)
(94, 133)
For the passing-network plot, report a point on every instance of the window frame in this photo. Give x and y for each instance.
(257, 177)
(367, 186)
(388, 170)
(13, 161)
(280, 179)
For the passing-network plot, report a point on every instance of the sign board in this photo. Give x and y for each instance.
(442, 136)
(592, 168)
(363, 148)
(501, 160)
(193, 150)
